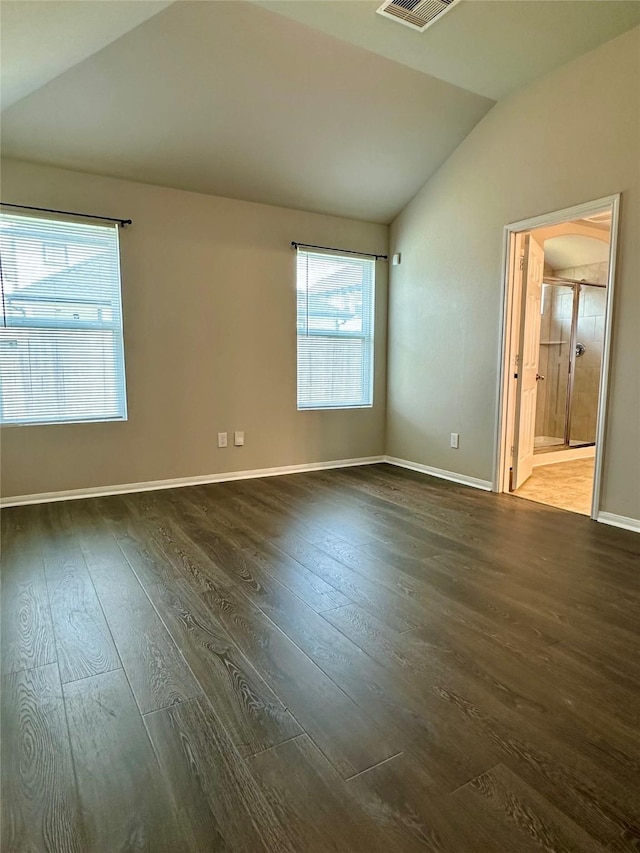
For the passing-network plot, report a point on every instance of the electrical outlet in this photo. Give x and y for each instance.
(222, 439)
(238, 439)
(455, 440)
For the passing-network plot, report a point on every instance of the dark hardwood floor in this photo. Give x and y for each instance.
(356, 660)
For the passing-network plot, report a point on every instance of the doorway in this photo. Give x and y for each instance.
(558, 296)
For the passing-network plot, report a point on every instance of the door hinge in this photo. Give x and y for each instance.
(521, 263)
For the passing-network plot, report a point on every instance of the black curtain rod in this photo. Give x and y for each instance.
(122, 222)
(344, 251)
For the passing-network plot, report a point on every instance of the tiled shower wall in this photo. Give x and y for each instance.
(593, 301)
(556, 326)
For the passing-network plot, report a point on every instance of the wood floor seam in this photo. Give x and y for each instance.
(170, 705)
(284, 634)
(473, 779)
(76, 785)
(373, 766)
(82, 677)
(274, 746)
(159, 616)
(27, 668)
(366, 659)
(330, 609)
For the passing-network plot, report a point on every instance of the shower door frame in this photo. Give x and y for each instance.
(555, 281)
(510, 344)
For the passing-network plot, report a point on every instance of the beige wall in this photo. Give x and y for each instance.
(523, 159)
(209, 313)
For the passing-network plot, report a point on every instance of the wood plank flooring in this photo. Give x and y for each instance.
(365, 659)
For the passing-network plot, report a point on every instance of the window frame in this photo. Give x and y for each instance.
(43, 324)
(367, 335)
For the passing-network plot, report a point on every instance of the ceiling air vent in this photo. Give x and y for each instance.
(417, 14)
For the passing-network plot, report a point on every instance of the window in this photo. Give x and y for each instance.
(61, 344)
(335, 330)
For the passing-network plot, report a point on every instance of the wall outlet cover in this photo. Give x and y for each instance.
(238, 439)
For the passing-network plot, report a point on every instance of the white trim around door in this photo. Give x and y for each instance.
(505, 367)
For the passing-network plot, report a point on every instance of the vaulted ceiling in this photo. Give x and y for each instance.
(41, 40)
(314, 104)
(491, 47)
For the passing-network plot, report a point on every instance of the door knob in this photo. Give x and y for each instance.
(538, 377)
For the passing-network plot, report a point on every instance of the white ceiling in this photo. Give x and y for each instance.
(234, 99)
(491, 47)
(230, 99)
(569, 251)
(42, 38)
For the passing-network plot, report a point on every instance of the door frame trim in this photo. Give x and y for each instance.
(505, 385)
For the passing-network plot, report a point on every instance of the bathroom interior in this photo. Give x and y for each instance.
(572, 330)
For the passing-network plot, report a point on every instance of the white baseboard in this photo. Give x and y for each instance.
(463, 479)
(619, 521)
(153, 485)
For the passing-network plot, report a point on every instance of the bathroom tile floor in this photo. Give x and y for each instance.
(566, 485)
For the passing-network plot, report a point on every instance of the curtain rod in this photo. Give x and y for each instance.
(121, 222)
(344, 251)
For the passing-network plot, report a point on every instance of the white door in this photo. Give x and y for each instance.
(528, 355)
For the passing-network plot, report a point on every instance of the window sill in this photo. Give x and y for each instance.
(335, 408)
(12, 424)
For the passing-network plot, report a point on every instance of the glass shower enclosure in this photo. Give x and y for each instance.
(571, 341)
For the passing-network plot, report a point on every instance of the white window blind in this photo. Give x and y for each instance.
(335, 330)
(61, 344)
